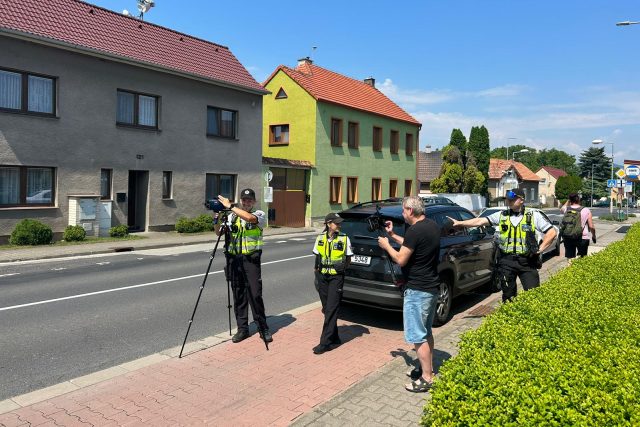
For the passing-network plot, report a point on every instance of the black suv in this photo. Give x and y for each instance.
(465, 255)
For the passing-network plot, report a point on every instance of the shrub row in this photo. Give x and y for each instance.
(32, 232)
(198, 224)
(567, 353)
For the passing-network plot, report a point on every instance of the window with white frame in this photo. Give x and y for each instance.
(26, 186)
(27, 93)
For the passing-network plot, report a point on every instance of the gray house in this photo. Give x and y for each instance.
(107, 120)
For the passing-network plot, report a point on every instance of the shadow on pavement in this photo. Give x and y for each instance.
(351, 332)
(369, 316)
(439, 357)
(275, 323)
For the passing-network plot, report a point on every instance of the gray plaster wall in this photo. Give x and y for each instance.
(84, 138)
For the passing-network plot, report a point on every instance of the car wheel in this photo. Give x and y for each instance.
(445, 298)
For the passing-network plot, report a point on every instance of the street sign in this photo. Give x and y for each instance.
(268, 176)
(611, 183)
(621, 173)
(633, 171)
(621, 183)
(268, 194)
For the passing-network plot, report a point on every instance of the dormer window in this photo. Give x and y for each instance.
(281, 94)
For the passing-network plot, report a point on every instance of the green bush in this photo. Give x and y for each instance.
(31, 232)
(74, 233)
(119, 231)
(199, 224)
(563, 354)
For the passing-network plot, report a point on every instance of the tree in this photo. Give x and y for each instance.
(558, 159)
(459, 141)
(472, 180)
(478, 148)
(594, 159)
(566, 185)
(449, 180)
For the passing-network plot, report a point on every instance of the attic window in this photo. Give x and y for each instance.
(281, 94)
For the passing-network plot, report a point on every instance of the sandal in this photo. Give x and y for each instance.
(418, 386)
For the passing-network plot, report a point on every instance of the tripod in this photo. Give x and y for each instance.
(224, 230)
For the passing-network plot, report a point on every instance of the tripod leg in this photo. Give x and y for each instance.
(213, 254)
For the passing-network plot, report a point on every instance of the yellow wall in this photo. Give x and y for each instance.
(298, 110)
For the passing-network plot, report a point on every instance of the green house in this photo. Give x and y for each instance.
(330, 142)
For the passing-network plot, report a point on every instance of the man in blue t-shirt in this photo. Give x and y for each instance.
(418, 257)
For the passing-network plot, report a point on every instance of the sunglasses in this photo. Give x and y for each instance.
(511, 194)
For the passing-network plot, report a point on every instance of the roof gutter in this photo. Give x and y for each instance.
(46, 41)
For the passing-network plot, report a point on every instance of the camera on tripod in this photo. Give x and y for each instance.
(215, 205)
(375, 222)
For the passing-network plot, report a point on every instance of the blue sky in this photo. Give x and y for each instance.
(552, 74)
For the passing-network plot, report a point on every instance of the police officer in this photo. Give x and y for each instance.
(333, 253)
(519, 256)
(243, 262)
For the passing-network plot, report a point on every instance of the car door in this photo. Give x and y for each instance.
(481, 238)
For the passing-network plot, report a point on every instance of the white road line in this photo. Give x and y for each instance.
(281, 241)
(103, 263)
(298, 239)
(142, 285)
(59, 268)
(9, 274)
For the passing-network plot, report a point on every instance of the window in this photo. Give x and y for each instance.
(393, 188)
(135, 109)
(336, 132)
(395, 142)
(409, 144)
(408, 184)
(471, 230)
(354, 135)
(105, 184)
(335, 189)
(26, 186)
(281, 94)
(279, 135)
(377, 139)
(352, 189)
(167, 184)
(221, 122)
(220, 184)
(27, 93)
(376, 189)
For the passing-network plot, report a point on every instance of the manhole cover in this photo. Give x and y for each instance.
(483, 310)
(623, 229)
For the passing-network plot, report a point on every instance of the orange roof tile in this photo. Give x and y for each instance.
(498, 166)
(328, 86)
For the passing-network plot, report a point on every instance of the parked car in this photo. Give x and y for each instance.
(554, 247)
(601, 204)
(438, 200)
(372, 279)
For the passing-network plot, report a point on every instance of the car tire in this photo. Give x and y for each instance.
(445, 300)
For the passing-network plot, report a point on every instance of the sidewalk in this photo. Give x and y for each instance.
(151, 240)
(221, 383)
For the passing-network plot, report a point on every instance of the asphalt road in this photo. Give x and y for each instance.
(68, 318)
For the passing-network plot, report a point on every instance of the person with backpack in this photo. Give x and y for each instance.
(576, 228)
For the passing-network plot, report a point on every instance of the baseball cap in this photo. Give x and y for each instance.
(332, 217)
(248, 193)
(515, 193)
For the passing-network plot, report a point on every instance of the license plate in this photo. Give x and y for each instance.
(361, 259)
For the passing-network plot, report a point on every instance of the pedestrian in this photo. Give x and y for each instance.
(418, 257)
(244, 251)
(519, 255)
(577, 227)
(333, 253)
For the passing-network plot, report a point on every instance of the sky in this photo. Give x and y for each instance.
(545, 73)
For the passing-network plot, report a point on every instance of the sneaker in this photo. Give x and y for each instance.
(266, 336)
(240, 336)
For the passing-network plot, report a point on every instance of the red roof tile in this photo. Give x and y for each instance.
(85, 26)
(328, 86)
(554, 172)
(498, 166)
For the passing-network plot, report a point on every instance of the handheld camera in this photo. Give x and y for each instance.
(375, 222)
(215, 205)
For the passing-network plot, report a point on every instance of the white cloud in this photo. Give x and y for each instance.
(507, 90)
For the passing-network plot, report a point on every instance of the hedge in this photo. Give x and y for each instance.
(199, 224)
(74, 233)
(31, 232)
(567, 353)
(119, 231)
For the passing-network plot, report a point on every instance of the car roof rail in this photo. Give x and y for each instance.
(374, 202)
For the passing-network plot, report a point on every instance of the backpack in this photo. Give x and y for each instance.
(571, 225)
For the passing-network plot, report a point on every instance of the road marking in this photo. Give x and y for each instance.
(142, 285)
(103, 263)
(9, 274)
(59, 268)
(298, 239)
(281, 241)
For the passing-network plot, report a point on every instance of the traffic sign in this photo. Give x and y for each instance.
(621, 173)
(611, 183)
(621, 182)
(633, 171)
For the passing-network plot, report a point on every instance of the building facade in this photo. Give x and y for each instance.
(97, 133)
(507, 174)
(547, 188)
(351, 144)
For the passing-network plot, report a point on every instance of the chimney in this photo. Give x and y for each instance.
(304, 61)
(370, 81)
(427, 149)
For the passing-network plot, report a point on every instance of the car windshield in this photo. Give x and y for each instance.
(488, 212)
(357, 228)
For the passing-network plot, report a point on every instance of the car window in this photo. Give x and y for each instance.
(471, 230)
(358, 228)
(445, 224)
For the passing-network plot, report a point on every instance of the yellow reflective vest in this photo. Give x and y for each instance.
(513, 238)
(246, 238)
(331, 252)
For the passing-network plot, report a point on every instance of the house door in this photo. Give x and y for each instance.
(288, 208)
(137, 204)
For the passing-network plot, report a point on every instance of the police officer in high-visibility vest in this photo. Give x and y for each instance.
(333, 253)
(244, 251)
(520, 253)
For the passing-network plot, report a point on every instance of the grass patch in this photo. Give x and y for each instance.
(87, 240)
